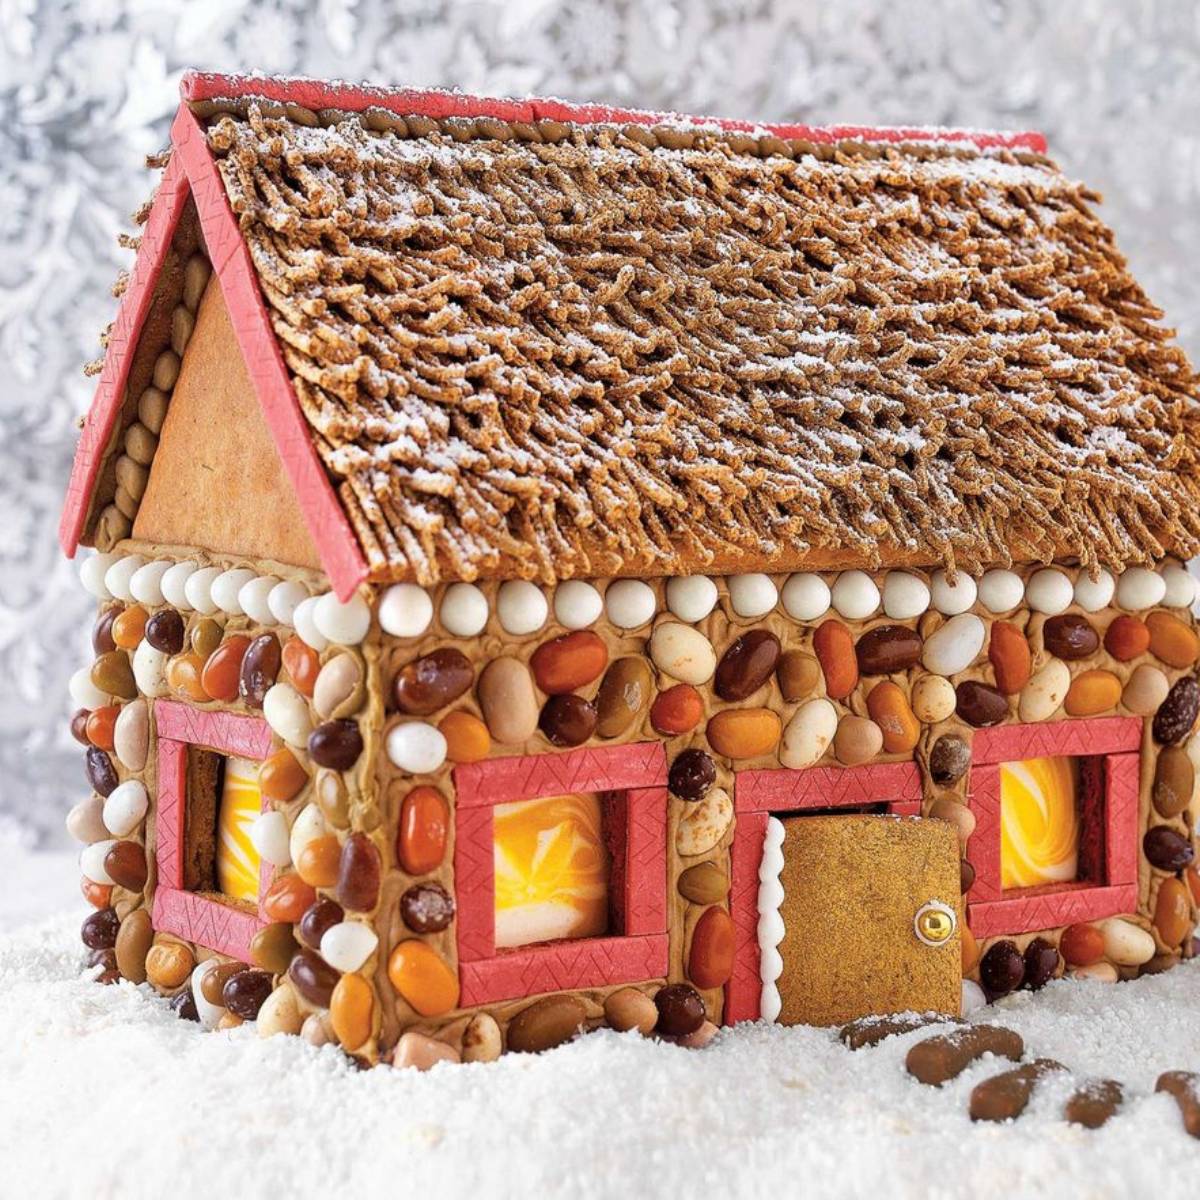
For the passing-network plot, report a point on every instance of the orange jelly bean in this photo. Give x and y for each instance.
(1081, 945)
(677, 710)
(568, 662)
(710, 959)
(891, 711)
(184, 673)
(467, 737)
(1171, 641)
(743, 732)
(1092, 692)
(100, 725)
(130, 627)
(318, 862)
(288, 898)
(220, 675)
(834, 648)
(98, 895)
(1008, 652)
(421, 840)
(422, 978)
(352, 1011)
(1172, 912)
(281, 777)
(1126, 638)
(302, 665)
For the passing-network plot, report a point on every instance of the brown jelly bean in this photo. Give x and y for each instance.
(565, 663)
(101, 773)
(79, 720)
(206, 637)
(359, 873)
(568, 720)
(1166, 849)
(102, 634)
(797, 674)
(260, 669)
(1002, 968)
(106, 959)
(313, 978)
(99, 930)
(680, 1009)
(183, 1005)
(432, 681)
(246, 991)
(427, 908)
(1041, 962)
(1177, 713)
(887, 649)
(691, 775)
(1070, 637)
(213, 981)
(113, 675)
(623, 696)
(273, 946)
(321, 915)
(966, 876)
(335, 744)
(949, 759)
(746, 665)
(165, 631)
(125, 863)
(980, 704)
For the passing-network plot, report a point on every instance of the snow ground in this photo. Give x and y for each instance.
(104, 1093)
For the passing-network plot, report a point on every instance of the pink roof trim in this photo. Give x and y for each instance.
(437, 103)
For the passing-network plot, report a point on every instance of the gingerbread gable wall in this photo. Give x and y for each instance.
(217, 481)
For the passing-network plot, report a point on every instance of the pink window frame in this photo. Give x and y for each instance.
(640, 952)
(223, 927)
(990, 909)
(760, 794)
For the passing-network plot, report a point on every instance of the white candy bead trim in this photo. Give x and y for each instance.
(521, 607)
(283, 599)
(1049, 591)
(691, 597)
(630, 603)
(405, 610)
(1001, 591)
(855, 595)
(770, 920)
(198, 590)
(84, 692)
(92, 571)
(805, 596)
(1139, 588)
(119, 576)
(752, 595)
(269, 836)
(904, 595)
(255, 599)
(1180, 587)
(577, 604)
(304, 619)
(146, 584)
(225, 589)
(952, 598)
(464, 610)
(174, 585)
(347, 945)
(416, 748)
(125, 807)
(343, 624)
(1094, 594)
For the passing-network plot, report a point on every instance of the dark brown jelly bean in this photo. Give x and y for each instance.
(323, 914)
(260, 669)
(101, 773)
(966, 876)
(746, 665)
(1166, 849)
(680, 1009)
(949, 759)
(1177, 713)
(99, 930)
(427, 908)
(623, 695)
(691, 775)
(359, 874)
(165, 631)
(1041, 961)
(1002, 968)
(432, 681)
(213, 981)
(245, 992)
(313, 977)
(106, 959)
(1070, 637)
(79, 726)
(568, 720)
(980, 704)
(183, 1005)
(102, 636)
(125, 863)
(335, 744)
(887, 649)
(273, 946)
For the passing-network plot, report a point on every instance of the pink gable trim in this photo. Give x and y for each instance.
(247, 737)
(318, 94)
(1098, 735)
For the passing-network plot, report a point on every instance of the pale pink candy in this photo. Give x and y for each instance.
(417, 1050)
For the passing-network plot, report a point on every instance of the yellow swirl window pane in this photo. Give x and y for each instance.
(241, 802)
(551, 870)
(1039, 822)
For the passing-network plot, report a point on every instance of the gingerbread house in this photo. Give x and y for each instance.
(560, 567)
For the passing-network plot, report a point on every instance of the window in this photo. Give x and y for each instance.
(561, 861)
(210, 878)
(1056, 810)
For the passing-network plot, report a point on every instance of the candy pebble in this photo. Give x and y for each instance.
(146, 582)
(952, 598)
(1139, 588)
(630, 603)
(464, 610)
(416, 747)
(1094, 594)
(342, 623)
(752, 595)
(286, 711)
(521, 607)
(691, 597)
(125, 807)
(255, 599)
(283, 599)
(347, 945)
(577, 605)
(1000, 591)
(855, 595)
(197, 590)
(225, 587)
(1049, 591)
(904, 596)
(422, 979)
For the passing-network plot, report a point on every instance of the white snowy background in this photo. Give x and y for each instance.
(87, 88)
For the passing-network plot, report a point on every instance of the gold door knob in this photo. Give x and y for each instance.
(935, 923)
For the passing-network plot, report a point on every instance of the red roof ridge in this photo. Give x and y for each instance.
(439, 103)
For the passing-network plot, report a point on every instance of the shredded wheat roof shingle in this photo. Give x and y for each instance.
(593, 356)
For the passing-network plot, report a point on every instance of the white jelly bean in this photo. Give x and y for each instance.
(808, 734)
(683, 653)
(118, 577)
(125, 807)
(84, 692)
(805, 596)
(973, 997)
(752, 595)
(416, 748)
(91, 861)
(304, 622)
(286, 711)
(955, 646)
(405, 610)
(146, 582)
(283, 599)
(269, 836)
(1000, 591)
(1049, 591)
(255, 599)
(150, 669)
(1139, 588)
(464, 610)
(307, 827)
(1180, 587)
(92, 571)
(904, 596)
(1045, 692)
(952, 598)
(344, 624)
(577, 604)
(198, 590)
(225, 588)
(855, 595)
(691, 597)
(1128, 945)
(521, 607)
(347, 945)
(174, 585)
(1094, 594)
(629, 603)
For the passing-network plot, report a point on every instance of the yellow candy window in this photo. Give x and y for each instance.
(1039, 822)
(551, 870)
(237, 861)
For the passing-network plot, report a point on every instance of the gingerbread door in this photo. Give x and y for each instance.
(870, 914)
